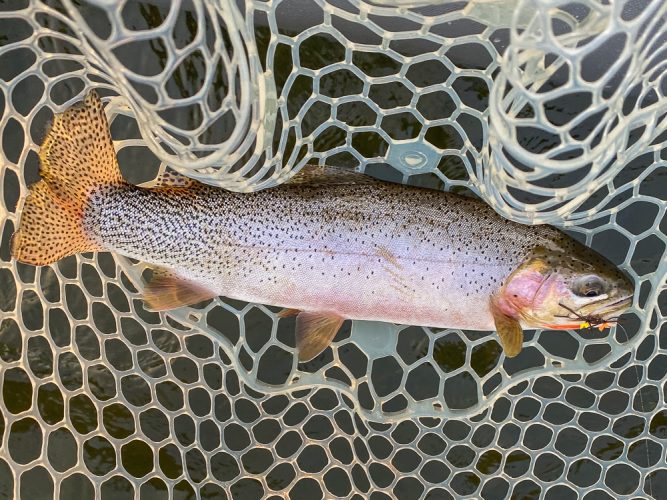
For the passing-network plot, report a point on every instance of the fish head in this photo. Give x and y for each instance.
(567, 286)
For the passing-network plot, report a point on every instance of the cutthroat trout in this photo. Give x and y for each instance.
(330, 245)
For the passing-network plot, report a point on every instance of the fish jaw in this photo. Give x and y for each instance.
(615, 307)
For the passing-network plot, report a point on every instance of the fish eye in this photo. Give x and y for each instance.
(588, 286)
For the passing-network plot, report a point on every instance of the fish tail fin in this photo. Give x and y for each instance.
(77, 154)
(76, 158)
(48, 230)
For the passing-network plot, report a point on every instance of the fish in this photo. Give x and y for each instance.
(329, 245)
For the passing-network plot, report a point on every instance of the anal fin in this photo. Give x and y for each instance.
(314, 333)
(166, 291)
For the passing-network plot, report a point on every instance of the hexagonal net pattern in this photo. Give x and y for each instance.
(552, 112)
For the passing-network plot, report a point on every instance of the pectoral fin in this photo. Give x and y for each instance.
(509, 331)
(314, 333)
(167, 291)
(510, 334)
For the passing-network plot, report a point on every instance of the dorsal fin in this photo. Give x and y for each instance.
(315, 175)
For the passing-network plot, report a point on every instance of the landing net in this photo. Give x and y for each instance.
(552, 112)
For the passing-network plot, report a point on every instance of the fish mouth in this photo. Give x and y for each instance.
(606, 312)
(617, 306)
(601, 315)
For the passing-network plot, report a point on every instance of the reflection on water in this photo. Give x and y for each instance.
(17, 390)
(10, 340)
(449, 352)
(50, 403)
(485, 357)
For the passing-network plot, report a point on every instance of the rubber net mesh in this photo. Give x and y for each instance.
(552, 112)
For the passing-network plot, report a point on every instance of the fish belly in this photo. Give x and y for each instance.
(378, 252)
